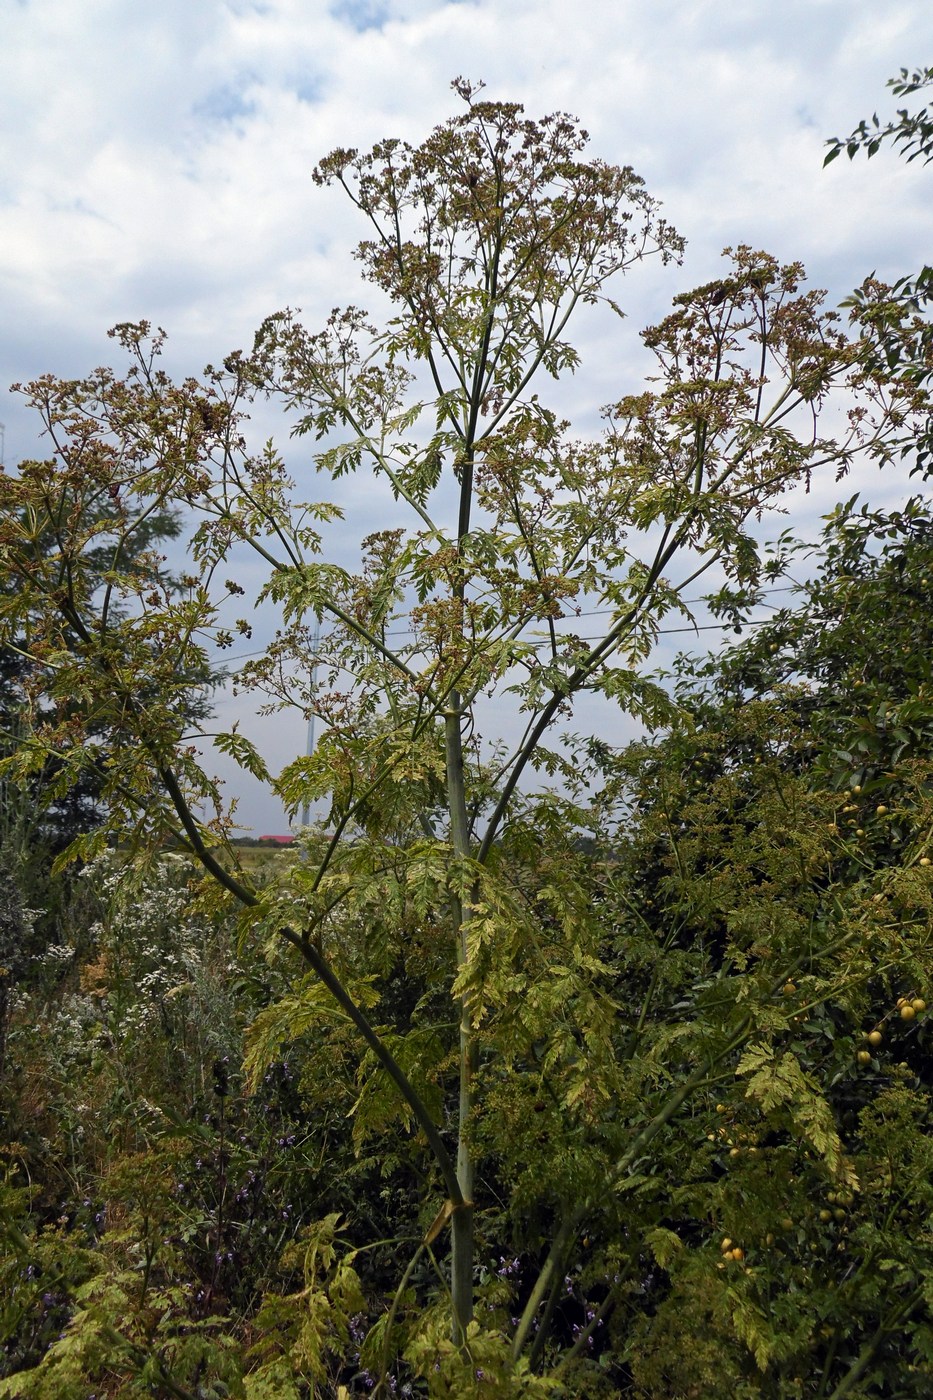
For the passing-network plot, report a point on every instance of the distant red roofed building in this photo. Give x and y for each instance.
(278, 840)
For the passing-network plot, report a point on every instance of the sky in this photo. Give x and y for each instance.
(155, 162)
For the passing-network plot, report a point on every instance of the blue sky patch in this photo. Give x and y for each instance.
(248, 7)
(361, 14)
(227, 103)
(308, 88)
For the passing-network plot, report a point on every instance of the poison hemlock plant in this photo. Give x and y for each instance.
(499, 1005)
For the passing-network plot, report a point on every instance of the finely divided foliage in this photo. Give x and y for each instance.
(488, 972)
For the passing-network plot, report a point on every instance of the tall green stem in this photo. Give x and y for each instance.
(461, 1234)
(461, 1279)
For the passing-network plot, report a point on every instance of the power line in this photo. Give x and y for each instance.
(607, 612)
(597, 612)
(546, 641)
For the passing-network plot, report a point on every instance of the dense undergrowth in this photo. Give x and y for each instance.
(207, 1194)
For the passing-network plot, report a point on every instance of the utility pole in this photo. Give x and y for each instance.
(309, 747)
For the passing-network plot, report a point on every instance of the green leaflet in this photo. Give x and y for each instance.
(292, 1016)
(783, 1084)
